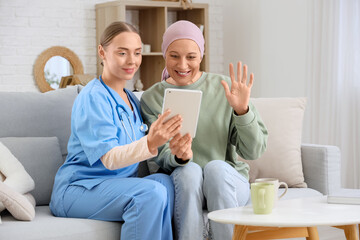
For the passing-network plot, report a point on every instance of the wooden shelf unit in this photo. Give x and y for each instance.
(154, 17)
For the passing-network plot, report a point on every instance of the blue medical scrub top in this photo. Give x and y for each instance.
(95, 129)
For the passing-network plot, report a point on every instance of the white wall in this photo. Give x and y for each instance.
(270, 36)
(29, 27)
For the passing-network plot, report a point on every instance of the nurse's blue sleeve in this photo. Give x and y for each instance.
(94, 126)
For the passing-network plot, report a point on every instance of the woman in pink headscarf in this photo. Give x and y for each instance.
(205, 170)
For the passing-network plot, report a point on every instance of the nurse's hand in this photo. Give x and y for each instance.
(161, 131)
(239, 95)
(180, 146)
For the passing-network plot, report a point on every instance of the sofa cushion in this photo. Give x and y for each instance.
(283, 118)
(45, 226)
(34, 114)
(41, 158)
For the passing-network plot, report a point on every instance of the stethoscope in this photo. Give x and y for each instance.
(143, 127)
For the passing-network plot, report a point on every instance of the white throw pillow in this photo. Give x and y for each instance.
(14, 172)
(15, 186)
(283, 118)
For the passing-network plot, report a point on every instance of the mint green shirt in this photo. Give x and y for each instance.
(220, 134)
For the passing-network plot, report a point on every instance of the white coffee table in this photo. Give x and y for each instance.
(291, 219)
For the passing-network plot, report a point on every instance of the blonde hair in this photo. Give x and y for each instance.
(115, 29)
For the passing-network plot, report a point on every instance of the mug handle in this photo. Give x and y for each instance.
(286, 188)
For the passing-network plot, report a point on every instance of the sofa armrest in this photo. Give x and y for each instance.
(321, 167)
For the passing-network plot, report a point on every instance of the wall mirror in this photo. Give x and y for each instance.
(56, 68)
(53, 64)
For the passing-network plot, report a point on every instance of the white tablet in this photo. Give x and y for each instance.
(187, 104)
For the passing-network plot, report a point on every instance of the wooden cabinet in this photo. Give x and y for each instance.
(153, 19)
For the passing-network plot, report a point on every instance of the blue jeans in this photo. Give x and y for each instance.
(217, 186)
(144, 204)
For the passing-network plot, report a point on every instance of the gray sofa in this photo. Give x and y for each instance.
(36, 127)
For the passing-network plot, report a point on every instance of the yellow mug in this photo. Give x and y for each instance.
(262, 197)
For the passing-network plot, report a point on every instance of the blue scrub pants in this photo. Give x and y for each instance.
(217, 186)
(144, 204)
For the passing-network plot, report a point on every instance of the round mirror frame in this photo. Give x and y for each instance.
(40, 63)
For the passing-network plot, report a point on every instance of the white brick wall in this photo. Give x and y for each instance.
(29, 27)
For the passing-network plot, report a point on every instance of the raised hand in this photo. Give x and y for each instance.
(161, 131)
(239, 95)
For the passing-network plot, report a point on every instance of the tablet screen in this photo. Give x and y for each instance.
(187, 104)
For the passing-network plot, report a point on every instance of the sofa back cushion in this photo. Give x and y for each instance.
(283, 118)
(34, 114)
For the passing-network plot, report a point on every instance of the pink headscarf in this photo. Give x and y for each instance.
(181, 30)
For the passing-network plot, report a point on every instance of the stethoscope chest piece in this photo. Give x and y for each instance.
(143, 128)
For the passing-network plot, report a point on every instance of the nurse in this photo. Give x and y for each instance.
(99, 177)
